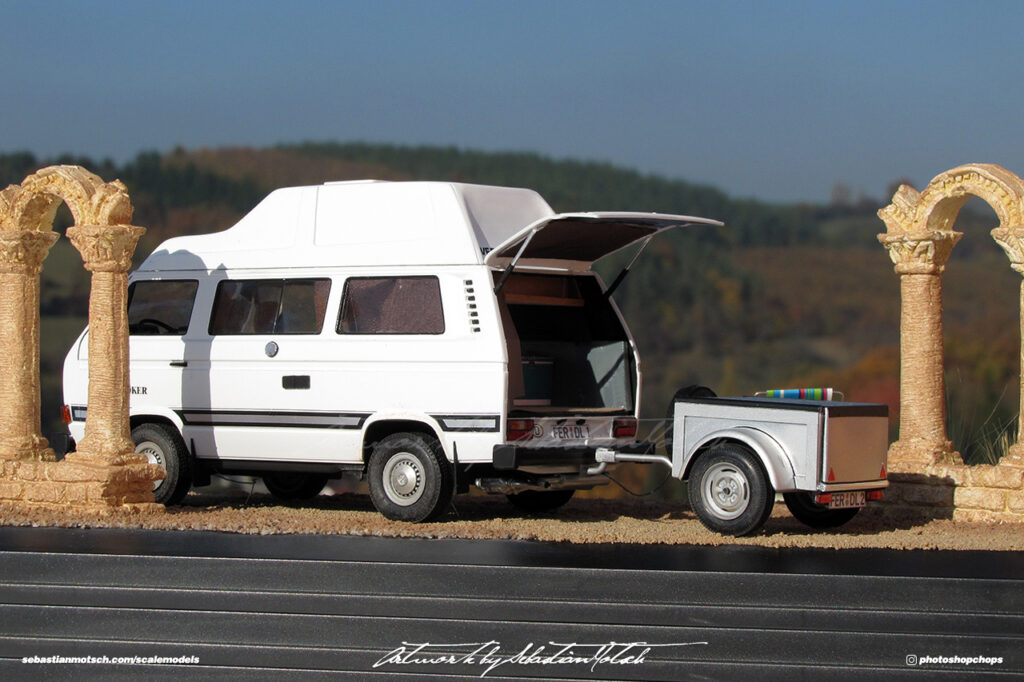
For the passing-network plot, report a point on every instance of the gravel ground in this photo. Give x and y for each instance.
(580, 521)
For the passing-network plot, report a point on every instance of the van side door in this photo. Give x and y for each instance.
(264, 348)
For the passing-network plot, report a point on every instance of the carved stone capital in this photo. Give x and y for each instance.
(23, 251)
(106, 248)
(1012, 241)
(920, 255)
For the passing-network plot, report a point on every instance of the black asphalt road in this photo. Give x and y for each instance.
(304, 607)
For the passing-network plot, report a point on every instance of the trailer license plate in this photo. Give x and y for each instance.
(575, 432)
(856, 498)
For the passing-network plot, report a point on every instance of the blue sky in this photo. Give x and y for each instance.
(776, 99)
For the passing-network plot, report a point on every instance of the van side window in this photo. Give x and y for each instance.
(391, 305)
(270, 306)
(160, 307)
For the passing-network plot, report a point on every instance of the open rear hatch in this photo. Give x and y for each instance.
(573, 241)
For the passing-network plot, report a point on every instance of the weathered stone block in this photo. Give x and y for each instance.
(991, 499)
(984, 516)
(43, 491)
(1015, 502)
(11, 490)
(137, 473)
(73, 472)
(29, 470)
(928, 495)
(893, 495)
(988, 476)
(77, 493)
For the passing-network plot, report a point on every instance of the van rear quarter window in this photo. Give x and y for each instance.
(270, 306)
(391, 305)
(160, 307)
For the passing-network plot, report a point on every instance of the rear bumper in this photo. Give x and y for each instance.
(861, 485)
(509, 456)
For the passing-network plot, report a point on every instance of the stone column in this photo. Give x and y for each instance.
(1012, 241)
(107, 252)
(21, 258)
(920, 261)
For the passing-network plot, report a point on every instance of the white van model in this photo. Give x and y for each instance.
(423, 335)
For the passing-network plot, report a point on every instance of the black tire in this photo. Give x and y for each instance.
(410, 479)
(162, 445)
(294, 486)
(804, 509)
(729, 490)
(686, 392)
(538, 501)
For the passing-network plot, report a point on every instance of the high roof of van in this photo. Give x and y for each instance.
(374, 223)
(361, 223)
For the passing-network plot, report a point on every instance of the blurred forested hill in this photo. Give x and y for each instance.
(787, 295)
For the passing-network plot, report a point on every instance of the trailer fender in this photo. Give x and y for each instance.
(772, 455)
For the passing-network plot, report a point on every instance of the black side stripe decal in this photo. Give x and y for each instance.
(467, 423)
(274, 419)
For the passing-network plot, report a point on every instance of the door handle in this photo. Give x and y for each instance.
(179, 363)
(295, 381)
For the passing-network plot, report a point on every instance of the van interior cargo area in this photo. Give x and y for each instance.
(568, 350)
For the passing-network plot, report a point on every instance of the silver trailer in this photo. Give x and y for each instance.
(827, 458)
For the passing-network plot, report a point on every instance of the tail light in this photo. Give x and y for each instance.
(624, 427)
(65, 414)
(876, 494)
(520, 429)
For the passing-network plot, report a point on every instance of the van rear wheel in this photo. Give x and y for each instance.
(537, 501)
(292, 486)
(410, 478)
(162, 445)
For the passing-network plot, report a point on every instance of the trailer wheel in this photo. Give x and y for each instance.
(804, 509)
(729, 490)
(162, 445)
(687, 392)
(294, 486)
(410, 479)
(536, 501)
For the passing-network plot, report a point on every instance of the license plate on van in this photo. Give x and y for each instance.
(856, 498)
(574, 432)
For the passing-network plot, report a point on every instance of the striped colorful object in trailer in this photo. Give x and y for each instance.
(802, 394)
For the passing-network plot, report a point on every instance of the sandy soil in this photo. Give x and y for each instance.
(582, 520)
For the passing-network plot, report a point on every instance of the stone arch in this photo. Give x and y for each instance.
(935, 209)
(920, 238)
(105, 470)
(91, 200)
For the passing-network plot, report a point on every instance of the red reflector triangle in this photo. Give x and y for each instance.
(831, 475)
(882, 475)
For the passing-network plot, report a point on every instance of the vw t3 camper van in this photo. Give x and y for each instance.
(425, 336)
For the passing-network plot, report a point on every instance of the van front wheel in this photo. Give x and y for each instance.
(410, 478)
(162, 445)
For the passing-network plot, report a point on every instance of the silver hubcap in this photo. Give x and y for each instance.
(403, 479)
(726, 491)
(154, 454)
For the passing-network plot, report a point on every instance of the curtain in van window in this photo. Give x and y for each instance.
(391, 305)
(270, 306)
